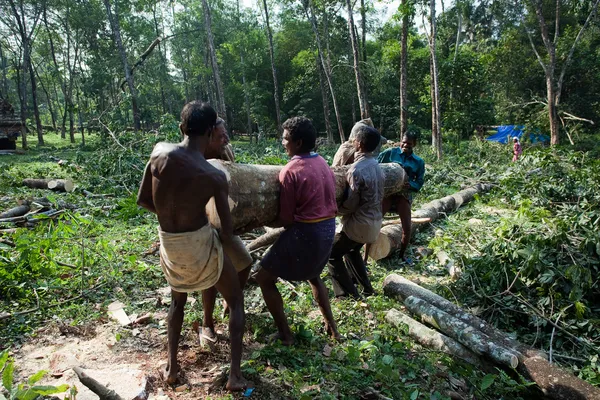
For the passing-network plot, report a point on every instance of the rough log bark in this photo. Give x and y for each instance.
(477, 341)
(431, 338)
(102, 391)
(390, 236)
(555, 382)
(58, 185)
(16, 211)
(254, 192)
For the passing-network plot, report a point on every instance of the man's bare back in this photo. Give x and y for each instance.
(179, 182)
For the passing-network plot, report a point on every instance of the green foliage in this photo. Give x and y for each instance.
(26, 390)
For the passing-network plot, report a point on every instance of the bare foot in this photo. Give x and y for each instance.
(238, 383)
(207, 337)
(286, 341)
(333, 333)
(168, 375)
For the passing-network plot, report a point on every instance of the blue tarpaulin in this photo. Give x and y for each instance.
(507, 132)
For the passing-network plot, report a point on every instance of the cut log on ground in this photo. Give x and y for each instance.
(555, 382)
(16, 211)
(476, 341)
(58, 185)
(254, 192)
(390, 236)
(397, 286)
(431, 338)
(101, 391)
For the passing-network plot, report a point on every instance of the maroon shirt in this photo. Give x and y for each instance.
(307, 190)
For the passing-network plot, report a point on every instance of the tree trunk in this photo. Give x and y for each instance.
(390, 236)
(116, 29)
(436, 135)
(363, 23)
(325, 99)
(254, 192)
(265, 240)
(19, 16)
(213, 60)
(16, 211)
(554, 382)
(36, 109)
(404, 71)
(48, 98)
(431, 338)
(362, 98)
(476, 341)
(275, 84)
(23, 102)
(246, 97)
(310, 13)
(4, 79)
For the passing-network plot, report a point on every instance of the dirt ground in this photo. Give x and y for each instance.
(124, 359)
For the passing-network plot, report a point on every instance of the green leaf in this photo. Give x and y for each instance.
(414, 395)
(3, 358)
(47, 390)
(36, 377)
(387, 359)
(7, 376)
(487, 381)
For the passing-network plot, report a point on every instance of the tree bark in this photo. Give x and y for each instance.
(363, 23)
(116, 29)
(214, 63)
(4, 79)
(431, 338)
(390, 236)
(325, 99)
(476, 341)
(16, 211)
(265, 240)
(34, 101)
(273, 69)
(254, 192)
(310, 13)
(362, 98)
(404, 70)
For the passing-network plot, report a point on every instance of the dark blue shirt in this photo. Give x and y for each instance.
(412, 164)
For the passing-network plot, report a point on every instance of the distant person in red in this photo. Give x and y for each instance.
(517, 149)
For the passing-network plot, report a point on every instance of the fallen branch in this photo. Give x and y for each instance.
(102, 391)
(265, 240)
(16, 211)
(432, 339)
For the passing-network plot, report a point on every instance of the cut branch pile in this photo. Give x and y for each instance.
(390, 236)
(57, 185)
(479, 338)
(254, 192)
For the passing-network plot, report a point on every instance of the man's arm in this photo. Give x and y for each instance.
(144, 198)
(222, 205)
(352, 202)
(419, 179)
(287, 201)
(384, 156)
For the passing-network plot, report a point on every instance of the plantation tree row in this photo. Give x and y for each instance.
(109, 65)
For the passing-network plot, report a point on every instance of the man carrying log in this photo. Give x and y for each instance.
(415, 170)
(362, 216)
(307, 211)
(219, 148)
(345, 153)
(177, 184)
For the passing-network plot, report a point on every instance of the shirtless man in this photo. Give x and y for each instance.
(177, 184)
(219, 148)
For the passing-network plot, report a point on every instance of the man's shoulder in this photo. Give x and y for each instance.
(418, 159)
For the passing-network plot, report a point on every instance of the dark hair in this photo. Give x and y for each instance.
(197, 117)
(411, 136)
(301, 128)
(367, 136)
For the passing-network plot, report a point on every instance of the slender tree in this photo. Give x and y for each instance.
(272, 54)
(116, 30)
(553, 84)
(362, 97)
(213, 62)
(403, 68)
(325, 99)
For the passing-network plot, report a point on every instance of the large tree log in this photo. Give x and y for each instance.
(475, 340)
(265, 240)
(58, 185)
(254, 192)
(395, 285)
(430, 338)
(390, 236)
(552, 380)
